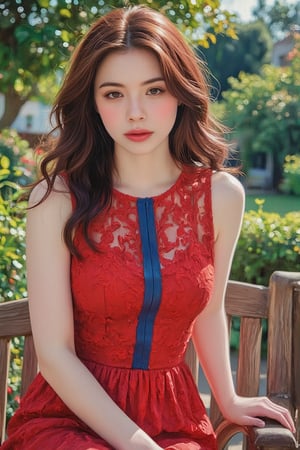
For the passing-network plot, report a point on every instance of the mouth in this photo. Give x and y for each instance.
(138, 135)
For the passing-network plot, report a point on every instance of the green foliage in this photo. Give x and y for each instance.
(16, 168)
(274, 202)
(228, 57)
(12, 249)
(291, 175)
(264, 110)
(17, 165)
(37, 37)
(279, 15)
(268, 242)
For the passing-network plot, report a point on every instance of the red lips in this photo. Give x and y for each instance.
(138, 135)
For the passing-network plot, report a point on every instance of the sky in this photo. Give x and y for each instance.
(244, 7)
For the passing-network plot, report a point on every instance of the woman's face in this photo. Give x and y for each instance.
(133, 102)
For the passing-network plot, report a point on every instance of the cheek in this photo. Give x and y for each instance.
(109, 117)
(167, 109)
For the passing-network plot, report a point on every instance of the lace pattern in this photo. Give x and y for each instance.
(108, 286)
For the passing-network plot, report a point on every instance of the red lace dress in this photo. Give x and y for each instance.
(135, 303)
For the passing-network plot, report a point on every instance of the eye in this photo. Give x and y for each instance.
(155, 91)
(114, 94)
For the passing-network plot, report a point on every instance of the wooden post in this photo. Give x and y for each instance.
(4, 366)
(30, 368)
(296, 355)
(280, 365)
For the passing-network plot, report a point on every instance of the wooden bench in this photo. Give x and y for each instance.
(279, 303)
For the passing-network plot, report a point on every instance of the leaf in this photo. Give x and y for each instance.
(5, 163)
(22, 34)
(65, 36)
(64, 12)
(43, 3)
(212, 37)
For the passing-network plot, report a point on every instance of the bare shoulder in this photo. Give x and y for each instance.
(228, 200)
(60, 194)
(52, 212)
(227, 190)
(227, 186)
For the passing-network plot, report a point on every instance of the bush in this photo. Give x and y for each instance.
(12, 279)
(291, 175)
(268, 242)
(16, 170)
(12, 249)
(17, 163)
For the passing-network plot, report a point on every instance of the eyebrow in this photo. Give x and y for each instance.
(112, 83)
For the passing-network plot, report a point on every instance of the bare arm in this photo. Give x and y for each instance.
(48, 268)
(210, 332)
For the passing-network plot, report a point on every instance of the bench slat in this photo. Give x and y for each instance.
(279, 376)
(30, 368)
(14, 318)
(246, 300)
(248, 372)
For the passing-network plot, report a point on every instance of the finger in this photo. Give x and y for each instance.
(282, 416)
(253, 421)
(286, 420)
(276, 412)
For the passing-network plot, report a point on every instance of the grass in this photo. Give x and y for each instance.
(278, 203)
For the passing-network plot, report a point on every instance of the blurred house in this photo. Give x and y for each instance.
(260, 174)
(32, 120)
(283, 48)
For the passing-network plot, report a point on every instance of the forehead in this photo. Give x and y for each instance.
(132, 64)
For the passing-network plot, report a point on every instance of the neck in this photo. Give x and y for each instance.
(145, 177)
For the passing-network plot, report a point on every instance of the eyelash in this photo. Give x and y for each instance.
(111, 95)
(161, 90)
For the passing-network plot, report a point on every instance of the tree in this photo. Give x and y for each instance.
(37, 37)
(279, 16)
(228, 57)
(263, 110)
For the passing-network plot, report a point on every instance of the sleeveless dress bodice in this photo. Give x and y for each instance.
(136, 297)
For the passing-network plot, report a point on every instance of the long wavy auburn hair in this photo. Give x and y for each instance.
(83, 151)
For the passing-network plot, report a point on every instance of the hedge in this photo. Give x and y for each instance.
(268, 242)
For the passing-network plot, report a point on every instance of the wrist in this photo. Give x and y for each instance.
(226, 404)
(141, 441)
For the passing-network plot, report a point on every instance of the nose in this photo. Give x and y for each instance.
(135, 110)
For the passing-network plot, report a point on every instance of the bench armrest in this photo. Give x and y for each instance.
(273, 435)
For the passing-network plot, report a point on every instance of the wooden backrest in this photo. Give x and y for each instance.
(15, 321)
(279, 304)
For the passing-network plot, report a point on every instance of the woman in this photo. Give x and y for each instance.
(130, 238)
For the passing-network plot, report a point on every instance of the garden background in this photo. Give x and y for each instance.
(257, 100)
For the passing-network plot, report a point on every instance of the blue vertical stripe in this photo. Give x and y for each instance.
(152, 279)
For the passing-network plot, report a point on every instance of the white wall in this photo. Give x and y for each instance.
(32, 118)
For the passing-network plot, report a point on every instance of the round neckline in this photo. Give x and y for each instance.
(153, 197)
